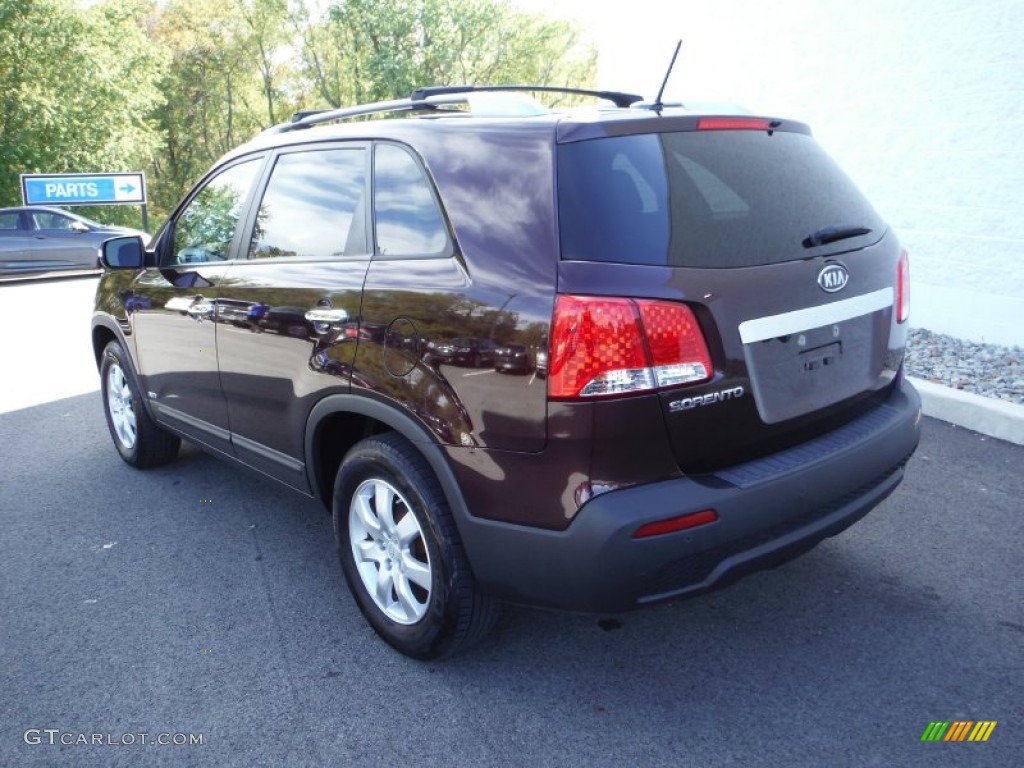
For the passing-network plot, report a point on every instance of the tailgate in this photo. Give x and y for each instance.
(790, 273)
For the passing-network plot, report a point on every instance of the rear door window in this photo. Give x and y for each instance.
(705, 199)
(314, 206)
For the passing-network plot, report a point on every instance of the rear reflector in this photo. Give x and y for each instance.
(903, 288)
(733, 124)
(674, 524)
(614, 346)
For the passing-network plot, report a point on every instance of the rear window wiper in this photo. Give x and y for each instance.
(832, 234)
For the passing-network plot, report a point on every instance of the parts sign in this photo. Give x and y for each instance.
(83, 189)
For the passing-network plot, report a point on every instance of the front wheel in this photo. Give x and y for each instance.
(401, 553)
(139, 440)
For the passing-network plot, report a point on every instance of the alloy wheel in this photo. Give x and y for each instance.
(389, 551)
(119, 403)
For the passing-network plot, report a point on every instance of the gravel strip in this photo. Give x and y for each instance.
(984, 369)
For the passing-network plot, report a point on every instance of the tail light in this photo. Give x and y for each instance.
(734, 124)
(615, 346)
(903, 288)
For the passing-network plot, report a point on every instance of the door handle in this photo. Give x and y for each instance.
(326, 315)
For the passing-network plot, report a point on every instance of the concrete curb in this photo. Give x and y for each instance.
(995, 418)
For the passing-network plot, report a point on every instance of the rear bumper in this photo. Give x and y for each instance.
(769, 511)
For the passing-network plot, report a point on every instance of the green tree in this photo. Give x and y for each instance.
(370, 50)
(267, 41)
(168, 86)
(208, 90)
(77, 88)
(230, 76)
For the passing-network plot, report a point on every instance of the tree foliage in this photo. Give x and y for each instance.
(77, 89)
(167, 86)
(370, 50)
(210, 100)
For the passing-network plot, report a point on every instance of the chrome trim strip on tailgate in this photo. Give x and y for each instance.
(773, 326)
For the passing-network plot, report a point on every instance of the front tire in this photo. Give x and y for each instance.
(139, 440)
(401, 553)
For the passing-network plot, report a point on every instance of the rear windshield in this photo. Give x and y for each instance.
(706, 199)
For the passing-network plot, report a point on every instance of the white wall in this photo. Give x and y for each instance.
(921, 101)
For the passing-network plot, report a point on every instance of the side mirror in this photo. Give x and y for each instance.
(77, 226)
(123, 253)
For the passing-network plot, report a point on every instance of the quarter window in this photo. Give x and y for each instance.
(313, 206)
(205, 229)
(406, 216)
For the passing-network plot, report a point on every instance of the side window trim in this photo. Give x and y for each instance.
(451, 248)
(165, 244)
(263, 180)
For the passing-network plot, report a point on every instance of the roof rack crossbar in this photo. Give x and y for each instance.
(618, 98)
(432, 97)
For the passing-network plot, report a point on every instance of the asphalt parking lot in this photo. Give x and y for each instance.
(199, 601)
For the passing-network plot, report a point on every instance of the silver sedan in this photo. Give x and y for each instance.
(44, 239)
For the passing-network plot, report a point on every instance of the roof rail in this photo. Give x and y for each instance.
(308, 118)
(618, 98)
(430, 98)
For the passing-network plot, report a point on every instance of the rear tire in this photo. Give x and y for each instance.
(401, 553)
(139, 440)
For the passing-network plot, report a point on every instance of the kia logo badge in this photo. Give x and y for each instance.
(833, 277)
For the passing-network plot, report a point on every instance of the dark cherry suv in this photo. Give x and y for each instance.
(716, 314)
